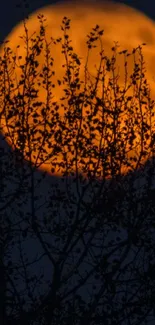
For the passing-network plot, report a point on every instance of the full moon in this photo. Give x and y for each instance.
(120, 23)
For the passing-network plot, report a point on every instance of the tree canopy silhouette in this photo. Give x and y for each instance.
(98, 238)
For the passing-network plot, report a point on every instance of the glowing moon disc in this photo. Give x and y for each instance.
(120, 23)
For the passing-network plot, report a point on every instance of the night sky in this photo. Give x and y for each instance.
(10, 15)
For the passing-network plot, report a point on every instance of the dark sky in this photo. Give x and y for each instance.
(10, 15)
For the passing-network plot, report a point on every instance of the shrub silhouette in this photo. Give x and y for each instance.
(74, 233)
(112, 132)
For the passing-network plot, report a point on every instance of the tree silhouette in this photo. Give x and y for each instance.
(95, 227)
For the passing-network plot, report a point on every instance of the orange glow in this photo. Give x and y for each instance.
(120, 23)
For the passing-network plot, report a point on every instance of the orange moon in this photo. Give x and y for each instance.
(121, 24)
